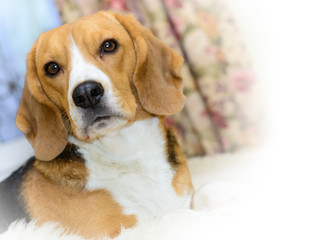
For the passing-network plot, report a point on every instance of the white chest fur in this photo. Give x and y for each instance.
(133, 167)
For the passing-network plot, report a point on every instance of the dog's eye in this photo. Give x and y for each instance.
(108, 46)
(51, 68)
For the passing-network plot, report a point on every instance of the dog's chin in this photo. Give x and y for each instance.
(105, 126)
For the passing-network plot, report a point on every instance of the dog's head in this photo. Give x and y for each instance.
(93, 77)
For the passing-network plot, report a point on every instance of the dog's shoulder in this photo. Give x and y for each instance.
(68, 169)
(11, 206)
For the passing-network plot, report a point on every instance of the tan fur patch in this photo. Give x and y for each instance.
(182, 180)
(156, 76)
(89, 213)
(67, 170)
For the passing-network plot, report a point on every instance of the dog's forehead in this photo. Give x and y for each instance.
(53, 45)
(57, 42)
(97, 27)
(101, 20)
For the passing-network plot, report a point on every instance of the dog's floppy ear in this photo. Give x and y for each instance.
(156, 76)
(39, 118)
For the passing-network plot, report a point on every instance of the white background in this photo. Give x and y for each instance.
(279, 38)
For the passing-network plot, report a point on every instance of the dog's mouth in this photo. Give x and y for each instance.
(105, 120)
(104, 125)
(101, 119)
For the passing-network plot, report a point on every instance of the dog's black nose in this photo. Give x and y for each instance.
(88, 94)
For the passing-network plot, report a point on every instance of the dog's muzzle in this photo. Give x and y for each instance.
(88, 94)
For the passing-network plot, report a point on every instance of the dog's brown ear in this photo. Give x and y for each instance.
(156, 76)
(39, 118)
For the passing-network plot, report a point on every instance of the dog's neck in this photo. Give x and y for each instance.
(133, 166)
(139, 139)
(134, 145)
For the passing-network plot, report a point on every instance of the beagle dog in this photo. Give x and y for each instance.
(93, 107)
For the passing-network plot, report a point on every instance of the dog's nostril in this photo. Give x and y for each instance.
(93, 93)
(87, 94)
(96, 92)
(80, 99)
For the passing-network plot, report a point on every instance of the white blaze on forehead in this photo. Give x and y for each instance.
(81, 71)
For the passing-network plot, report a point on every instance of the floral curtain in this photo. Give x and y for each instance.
(221, 113)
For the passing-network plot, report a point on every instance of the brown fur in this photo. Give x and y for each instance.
(156, 75)
(39, 118)
(67, 170)
(90, 213)
(182, 179)
(54, 191)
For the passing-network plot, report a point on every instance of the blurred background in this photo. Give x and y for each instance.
(222, 113)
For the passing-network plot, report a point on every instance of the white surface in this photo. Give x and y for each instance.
(279, 37)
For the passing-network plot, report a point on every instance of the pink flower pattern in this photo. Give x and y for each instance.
(241, 80)
(174, 3)
(119, 5)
